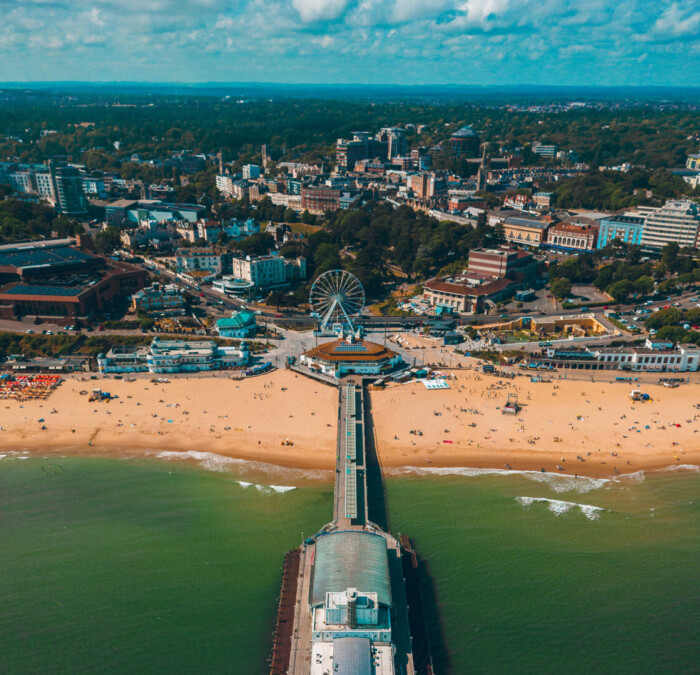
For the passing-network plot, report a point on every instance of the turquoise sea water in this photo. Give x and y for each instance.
(163, 566)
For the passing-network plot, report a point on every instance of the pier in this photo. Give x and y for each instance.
(343, 606)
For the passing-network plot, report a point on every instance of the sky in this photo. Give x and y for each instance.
(410, 42)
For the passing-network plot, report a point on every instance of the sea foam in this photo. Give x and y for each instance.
(267, 488)
(557, 482)
(214, 462)
(557, 506)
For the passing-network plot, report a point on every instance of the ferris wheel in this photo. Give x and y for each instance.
(335, 297)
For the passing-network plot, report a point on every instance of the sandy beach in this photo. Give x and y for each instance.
(570, 427)
(564, 426)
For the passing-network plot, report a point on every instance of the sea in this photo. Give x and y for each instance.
(172, 564)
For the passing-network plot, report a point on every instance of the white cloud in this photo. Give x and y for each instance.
(224, 22)
(319, 10)
(678, 22)
(94, 17)
(325, 41)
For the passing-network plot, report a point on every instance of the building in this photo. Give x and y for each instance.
(199, 259)
(251, 171)
(68, 190)
(238, 325)
(173, 356)
(573, 236)
(209, 230)
(54, 280)
(351, 355)
(395, 138)
(518, 202)
(525, 231)
(22, 181)
(543, 200)
(347, 153)
(501, 262)
(652, 357)
(627, 228)
(362, 146)
(693, 162)
(146, 211)
(465, 295)
(165, 299)
(676, 221)
(224, 184)
(45, 186)
(318, 200)
(232, 287)
(465, 142)
(77, 290)
(268, 271)
(352, 607)
(544, 150)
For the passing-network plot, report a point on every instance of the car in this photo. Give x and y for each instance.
(606, 307)
(29, 331)
(278, 316)
(49, 332)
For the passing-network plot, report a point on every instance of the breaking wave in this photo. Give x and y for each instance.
(557, 482)
(267, 488)
(211, 461)
(557, 506)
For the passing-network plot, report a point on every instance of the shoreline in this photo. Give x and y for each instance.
(287, 421)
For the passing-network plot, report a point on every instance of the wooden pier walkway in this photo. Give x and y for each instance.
(293, 636)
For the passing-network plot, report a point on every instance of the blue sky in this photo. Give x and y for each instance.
(557, 42)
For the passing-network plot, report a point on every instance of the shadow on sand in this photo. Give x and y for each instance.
(379, 513)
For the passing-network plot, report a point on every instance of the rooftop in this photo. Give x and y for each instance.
(341, 350)
(351, 560)
(465, 132)
(40, 256)
(26, 289)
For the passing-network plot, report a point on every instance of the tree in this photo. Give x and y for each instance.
(222, 239)
(644, 285)
(620, 290)
(257, 244)
(560, 288)
(290, 216)
(107, 240)
(308, 218)
(664, 317)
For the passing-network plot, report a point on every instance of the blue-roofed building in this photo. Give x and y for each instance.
(626, 228)
(351, 604)
(238, 325)
(53, 280)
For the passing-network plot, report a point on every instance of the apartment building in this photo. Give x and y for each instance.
(676, 221)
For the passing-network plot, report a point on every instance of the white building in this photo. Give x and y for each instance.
(21, 181)
(188, 260)
(251, 171)
(653, 357)
(676, 221)
(174, 356)
(232, 187)
(44, 185)
(268, 271)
